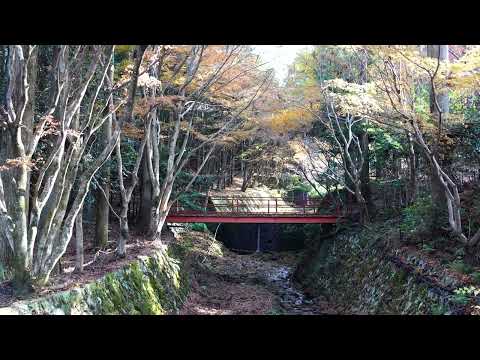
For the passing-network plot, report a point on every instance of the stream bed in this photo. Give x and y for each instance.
(260, 284)
(291, 300)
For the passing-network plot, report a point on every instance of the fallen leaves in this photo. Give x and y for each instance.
(227, 283)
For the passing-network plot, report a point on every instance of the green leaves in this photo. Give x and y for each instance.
(476, 276)
(465, 294)
(415, 217)
(460, 266)
(384, 141)
(191, 201)
(201, 227)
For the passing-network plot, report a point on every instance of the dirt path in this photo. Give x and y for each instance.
(259, 284)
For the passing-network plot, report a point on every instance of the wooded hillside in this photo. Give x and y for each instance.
(94, 137)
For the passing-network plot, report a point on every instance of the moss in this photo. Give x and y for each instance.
(399, 277)
(364, 280)
(154, 285)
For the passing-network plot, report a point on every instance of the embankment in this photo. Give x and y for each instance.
(154, 284)
(376, 279)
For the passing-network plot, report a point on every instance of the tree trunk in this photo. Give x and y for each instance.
(380, 160)
(126, 194)
(126, 197)
(439, 199)
(6, 253)
(365, 171)
(30, 111)
(102, 197)
(247, 174)
(364, 213)
(79, 254)
(145, 212)
(232, 169)
(412, 180)
(79, 240)
(439, 52)
(54, 207)
(438, 193)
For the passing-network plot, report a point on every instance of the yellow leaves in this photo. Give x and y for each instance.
(230, 82)
(464, 74)
(179, 80)
(123, 50)
(298, 149)
(352, 98)
(287, 120)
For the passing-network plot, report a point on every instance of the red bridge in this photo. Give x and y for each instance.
(253, 210)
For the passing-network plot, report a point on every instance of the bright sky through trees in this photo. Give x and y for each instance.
(279, 57)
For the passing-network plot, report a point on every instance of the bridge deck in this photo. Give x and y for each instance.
(252, 210)
(251, 219)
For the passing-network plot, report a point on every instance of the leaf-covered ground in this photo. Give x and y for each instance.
(227, 283)
(223, 282)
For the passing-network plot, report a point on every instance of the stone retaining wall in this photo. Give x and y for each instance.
(152, 285)
(376, 280)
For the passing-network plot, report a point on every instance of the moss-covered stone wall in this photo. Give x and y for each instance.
(375, 280)
(152, 285)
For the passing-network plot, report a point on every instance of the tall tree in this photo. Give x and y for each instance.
(402, 112)
(57, 148)
(439, 107)
(102, 193)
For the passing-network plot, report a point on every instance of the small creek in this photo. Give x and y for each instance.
(291, 300)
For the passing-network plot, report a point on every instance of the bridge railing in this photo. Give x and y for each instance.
(242, 205)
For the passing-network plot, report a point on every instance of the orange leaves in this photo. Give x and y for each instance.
(50, 127)
(17, 162)
(141, 108)
(144, 105)
(131, 131)
(227, 79)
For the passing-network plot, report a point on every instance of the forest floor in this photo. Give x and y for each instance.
(223, 282)
(229, 283)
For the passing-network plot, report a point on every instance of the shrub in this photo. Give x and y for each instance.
(461, 267)
(476, 277)
(461, 299)
(464, 294)
(428, 248)
(422, 219)
(199, 227)
(440, 242)
(439, 309)
(191, 200)
(460, 253)
(415, 217)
